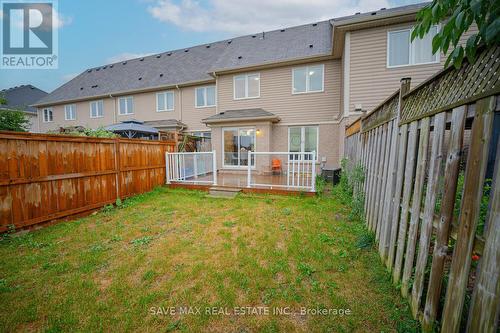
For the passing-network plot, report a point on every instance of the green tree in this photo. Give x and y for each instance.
(458, 16)
(12, 120)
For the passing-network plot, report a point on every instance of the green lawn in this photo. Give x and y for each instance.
(124, 268)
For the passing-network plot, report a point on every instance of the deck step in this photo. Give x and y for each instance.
(223, 192)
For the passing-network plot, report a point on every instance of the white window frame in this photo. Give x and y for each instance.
(205, 97)
(224, 165)
(308, 80)
(412, 49)
(302, 139)
(246, 75)
(126, 106)
(164, 93)
(97, 103)
(44, 114)
(73, 111)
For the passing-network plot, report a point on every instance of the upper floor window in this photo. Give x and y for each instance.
(48, 115)
(96, 109)
(205, 96)
(401, 51)
(126, 105)
(70, 112)
(165, 101)
(307, 79)
(246, 86)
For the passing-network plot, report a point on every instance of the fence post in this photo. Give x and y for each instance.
(195, 166)
(167, 169)
(313, 180)
(214, 166)
(249, 170)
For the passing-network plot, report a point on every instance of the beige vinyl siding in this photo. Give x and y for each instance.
(144, 110)
(370, 80)
(192, 116)
(82, 116)
(276, 95)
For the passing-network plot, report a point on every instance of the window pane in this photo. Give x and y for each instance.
(130, 105)
(93, 109)
(239, 87)
(200, 96)
(422, 48)
(253, 85)
(399, 48)
(311, 139)
(231, 147)
(161, 101)
(122, 105)
(294, 136)
(247, 143)
(315, 78)
(100, 108)
(170, 101)
(210, 96)
(299, 79)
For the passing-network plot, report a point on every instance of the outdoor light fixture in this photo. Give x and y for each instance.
(258, 131)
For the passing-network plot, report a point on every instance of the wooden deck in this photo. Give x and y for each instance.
(277, 184)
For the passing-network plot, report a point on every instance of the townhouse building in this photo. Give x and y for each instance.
(288, 90)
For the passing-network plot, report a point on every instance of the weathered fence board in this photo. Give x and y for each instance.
(446, 217)
(469, 213)
(47, 177)
(429, 206)
(486, 297)
(424, 151)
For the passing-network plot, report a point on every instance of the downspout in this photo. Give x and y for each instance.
(180, 101)
(115, 117)
(216, 94)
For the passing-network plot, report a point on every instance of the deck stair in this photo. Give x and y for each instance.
(223, 192)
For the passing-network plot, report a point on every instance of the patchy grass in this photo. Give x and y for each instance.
(177, 248)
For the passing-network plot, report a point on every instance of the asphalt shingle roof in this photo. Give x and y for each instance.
(195, 63)
(240, 114)
(20, 98)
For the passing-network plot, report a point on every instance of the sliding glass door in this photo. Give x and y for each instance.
(237, 142)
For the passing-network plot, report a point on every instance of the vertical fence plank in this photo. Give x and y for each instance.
(446, 217)
(485, 304)
(373, 160)
(396, 196)
(369, 159)
(430, 202)
(469, 212)
(380, 180)
(416, 203)
(386, 185)
(408, 186)
(378, 146)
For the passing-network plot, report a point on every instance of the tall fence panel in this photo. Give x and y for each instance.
(431, 163)
(46, 177)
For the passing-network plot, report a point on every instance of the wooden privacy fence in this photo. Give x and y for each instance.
(46, 177)
(426, 154)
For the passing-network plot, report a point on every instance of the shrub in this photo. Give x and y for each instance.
(12, 120)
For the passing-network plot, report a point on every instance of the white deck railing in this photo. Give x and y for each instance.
(191, 167)
(299, 171)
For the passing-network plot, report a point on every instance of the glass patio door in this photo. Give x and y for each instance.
(237, 143)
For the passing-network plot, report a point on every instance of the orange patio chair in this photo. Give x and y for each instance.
(276, 165)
